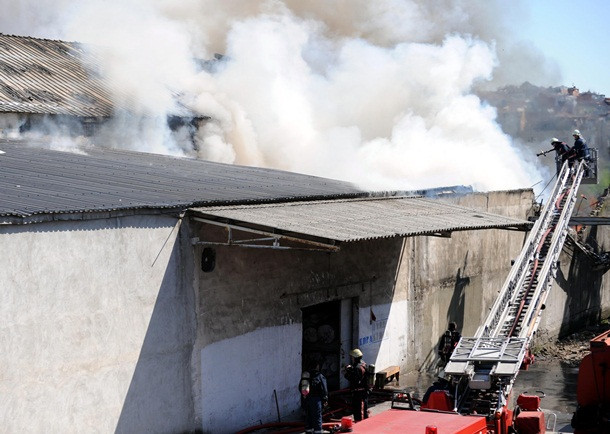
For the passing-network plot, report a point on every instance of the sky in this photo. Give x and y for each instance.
(576, 35)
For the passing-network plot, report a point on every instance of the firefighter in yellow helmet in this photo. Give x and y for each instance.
(355, 373)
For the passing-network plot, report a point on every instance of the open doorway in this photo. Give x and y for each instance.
(322, 340)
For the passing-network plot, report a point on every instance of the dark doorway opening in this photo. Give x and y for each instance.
(322, 340)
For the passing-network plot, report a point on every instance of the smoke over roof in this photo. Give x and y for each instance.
(377, 93)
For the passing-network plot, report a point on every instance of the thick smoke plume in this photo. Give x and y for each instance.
(379, 93)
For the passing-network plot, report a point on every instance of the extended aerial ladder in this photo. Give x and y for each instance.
(484, 367)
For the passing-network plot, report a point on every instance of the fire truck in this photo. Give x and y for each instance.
(593, 389)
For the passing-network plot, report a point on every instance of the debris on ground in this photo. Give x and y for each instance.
(572, 348)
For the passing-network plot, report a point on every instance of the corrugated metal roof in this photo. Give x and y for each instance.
(49, 77)
(36, 180)
(360, 219)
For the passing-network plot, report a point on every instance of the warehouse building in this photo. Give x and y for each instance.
(144, 292)
(151, 293)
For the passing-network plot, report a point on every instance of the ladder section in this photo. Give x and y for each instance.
(514, 319)
(535, 261)
(490, 361)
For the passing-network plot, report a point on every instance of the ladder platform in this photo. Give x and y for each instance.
(509, 369)
(505, 353)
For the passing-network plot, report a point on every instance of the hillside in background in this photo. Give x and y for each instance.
(533, 115)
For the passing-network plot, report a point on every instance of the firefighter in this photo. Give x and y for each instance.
(448, 342)
(564, 153)
(304, 388)
(581, 149)
(562, 149)
(441, 383)
(356, 374)
(314, 392)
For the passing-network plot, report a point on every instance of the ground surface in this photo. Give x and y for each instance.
(571, 349)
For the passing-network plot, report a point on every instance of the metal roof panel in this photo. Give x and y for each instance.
(359, 219)
(37, 180)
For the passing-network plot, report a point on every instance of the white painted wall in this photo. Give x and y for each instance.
(240, 374)
(94, 328)
(383, 341)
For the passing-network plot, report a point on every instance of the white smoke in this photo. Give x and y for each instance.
(377, 93)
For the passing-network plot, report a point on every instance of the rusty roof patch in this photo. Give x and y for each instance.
(49, 77)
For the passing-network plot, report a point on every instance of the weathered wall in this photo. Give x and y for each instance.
(95, 327)
(580, 295)
(250, 323)
(249, 308)
(458, 279)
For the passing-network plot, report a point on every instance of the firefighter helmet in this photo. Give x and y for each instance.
(355, 353)
(576, 133)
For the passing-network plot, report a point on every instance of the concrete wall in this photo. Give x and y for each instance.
(250, 324)
(96, 327)
(458, 279)
(580, 295)
(249, 318)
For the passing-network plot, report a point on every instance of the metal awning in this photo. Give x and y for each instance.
(326, 224)
(589, 221)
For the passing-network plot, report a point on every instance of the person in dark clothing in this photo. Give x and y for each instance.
(441, 383)
(356, 375)
(563, 151)
(448, 342)
(314, 391)
(581, 149)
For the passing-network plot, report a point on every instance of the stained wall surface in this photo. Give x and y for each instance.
(250, 321)
(405, 292)
(458, 279)
(580, 294)
(95, 327)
